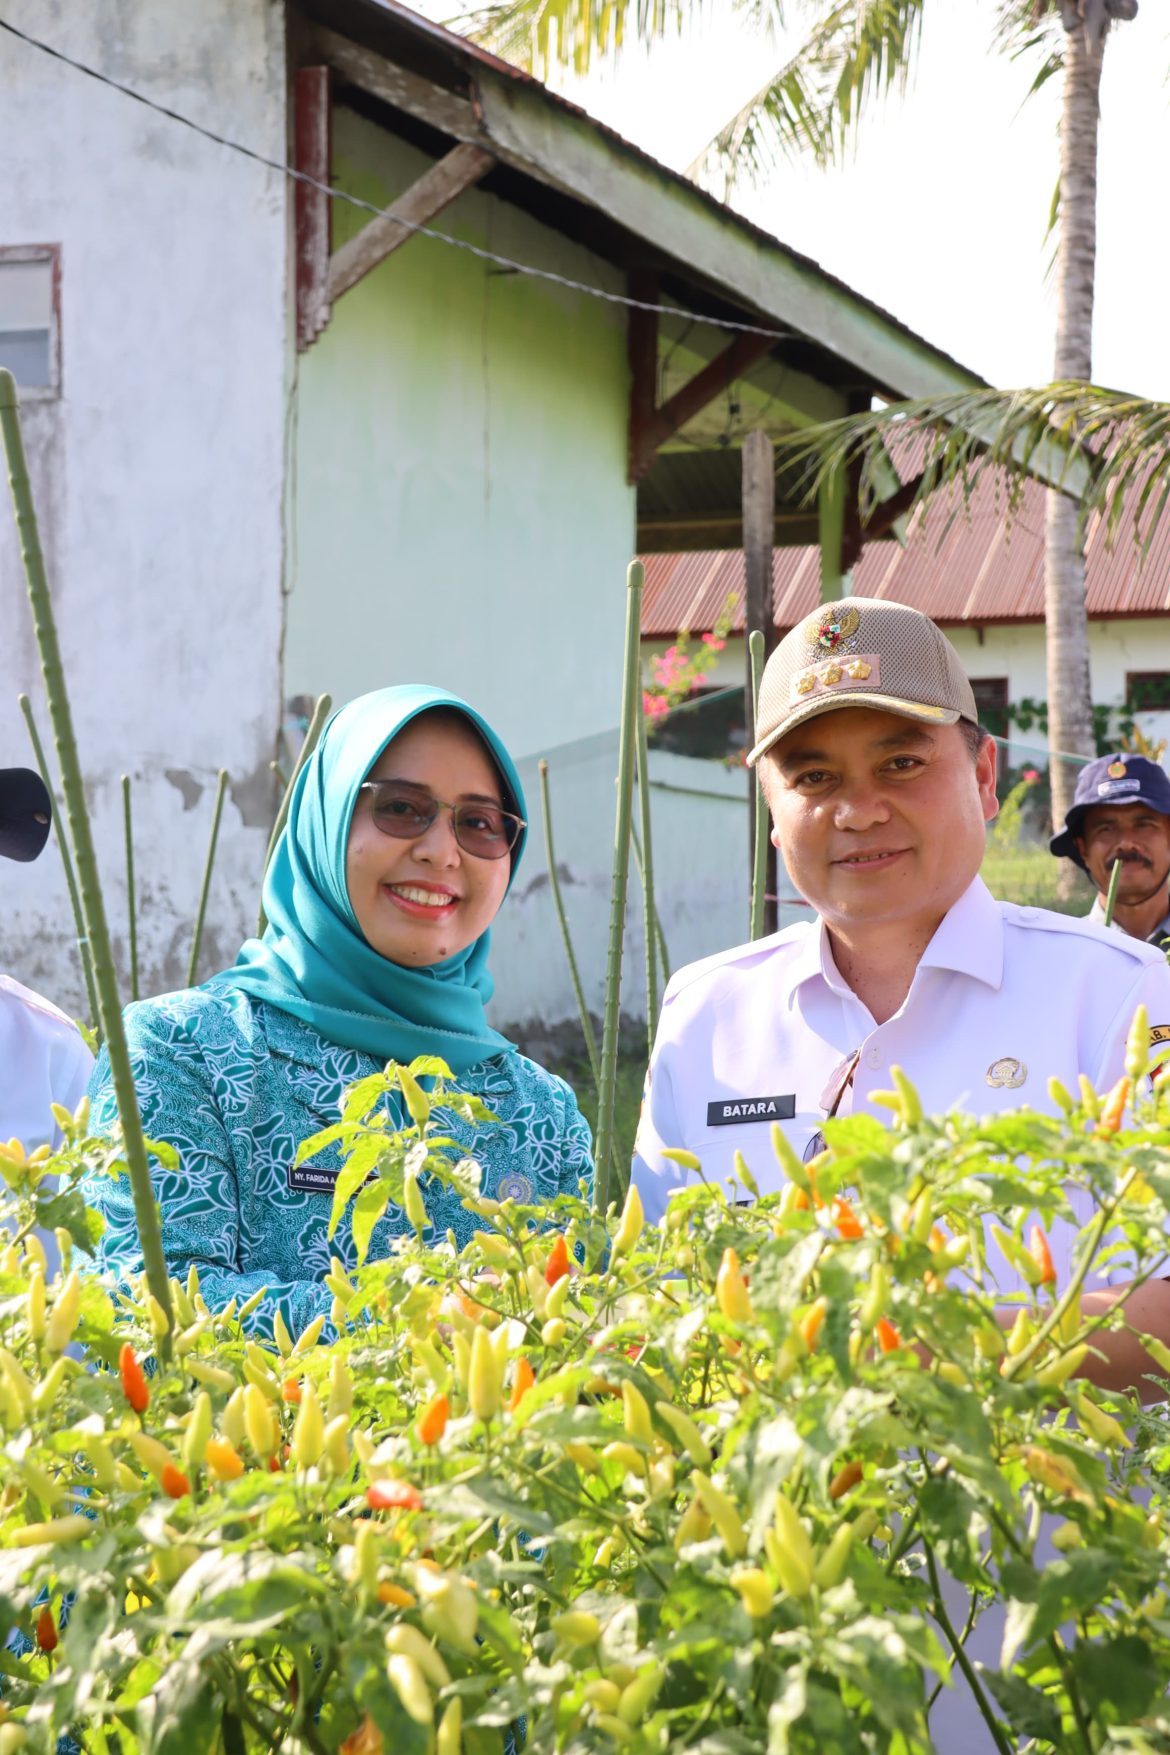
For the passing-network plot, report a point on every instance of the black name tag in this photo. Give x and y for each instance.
(730, 1110)
(308, 1179)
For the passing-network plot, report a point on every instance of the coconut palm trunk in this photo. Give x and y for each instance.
(1070, 712)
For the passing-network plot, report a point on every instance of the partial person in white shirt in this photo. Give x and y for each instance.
(880, 783)
(43, 1058)
(1120, 815)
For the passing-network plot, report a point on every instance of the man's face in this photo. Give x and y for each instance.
(879, 818)
(1137, 836)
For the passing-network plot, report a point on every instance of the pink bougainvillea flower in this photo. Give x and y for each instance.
(1031, 775)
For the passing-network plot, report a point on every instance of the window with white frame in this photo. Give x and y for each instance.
(29, 330)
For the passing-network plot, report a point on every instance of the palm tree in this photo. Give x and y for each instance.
(855, 51)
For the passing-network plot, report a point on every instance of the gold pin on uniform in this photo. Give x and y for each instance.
(1007, 1073)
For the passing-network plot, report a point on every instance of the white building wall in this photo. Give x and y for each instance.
(158, 470)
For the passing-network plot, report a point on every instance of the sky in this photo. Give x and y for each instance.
(940, 216)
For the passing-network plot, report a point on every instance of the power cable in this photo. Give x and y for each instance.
(335, 194)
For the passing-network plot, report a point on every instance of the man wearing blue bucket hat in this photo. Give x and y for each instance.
(1120, 814)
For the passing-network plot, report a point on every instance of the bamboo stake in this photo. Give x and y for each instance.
(278, 771)
(197, 938)
(663, 953)
(131, 902)
(646, 872)
(1111, 897)
(760, 834)
(321, 713)
(554, 884)
(89, 886)
(66, 862)
(627, 739)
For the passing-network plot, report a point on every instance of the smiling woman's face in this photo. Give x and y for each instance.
(419, 902)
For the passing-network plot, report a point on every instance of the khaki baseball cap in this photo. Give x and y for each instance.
(861, 652)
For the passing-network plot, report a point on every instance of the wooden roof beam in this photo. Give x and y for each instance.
(436, 189)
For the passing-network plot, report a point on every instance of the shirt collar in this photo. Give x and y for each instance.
(968, 940)
(1097, 913)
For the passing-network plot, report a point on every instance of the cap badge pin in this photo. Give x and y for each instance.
(836, 627)
(858, 669)
(1116, 770)
(1007, 1073)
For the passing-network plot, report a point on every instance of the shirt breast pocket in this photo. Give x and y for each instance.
(715, 1147)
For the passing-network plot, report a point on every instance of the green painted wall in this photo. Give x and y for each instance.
(458, 509)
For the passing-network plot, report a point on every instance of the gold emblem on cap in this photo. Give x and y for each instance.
(1007, 1073)
(837, 625)
(831, 675)
(1116, 770)
(858, 669)
(806, 682)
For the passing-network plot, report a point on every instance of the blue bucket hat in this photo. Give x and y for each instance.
(1119, 779)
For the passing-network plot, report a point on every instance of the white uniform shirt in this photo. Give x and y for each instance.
(43, 1060)
(1004, 997)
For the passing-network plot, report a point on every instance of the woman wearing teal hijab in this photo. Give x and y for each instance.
(404, 831)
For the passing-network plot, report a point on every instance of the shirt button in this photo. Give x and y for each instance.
(873, 1057)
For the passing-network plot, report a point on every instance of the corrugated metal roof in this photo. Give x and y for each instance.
(970, 563)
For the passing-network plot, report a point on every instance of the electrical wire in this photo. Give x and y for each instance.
(334, 194)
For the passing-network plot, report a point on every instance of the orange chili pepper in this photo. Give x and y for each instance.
(812, 1322)
(1114, 1107)
(174, 1482)
(134, 1385)
(557, 1265)
(291, 1392)
(846, 1477)
(522, 1382)
(888, 1338)
(393, 1496)
(274, 1465)
(1042, 1255)
(432, 1422)
(393, 1595)
(47, 1630)
(846, 1220)
(223, 1459)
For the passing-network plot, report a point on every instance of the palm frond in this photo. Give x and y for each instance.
(855, 52)
(1064, 431)
(540, 35)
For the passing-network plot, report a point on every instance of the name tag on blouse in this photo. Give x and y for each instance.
(730, 1110)
(310, 1179)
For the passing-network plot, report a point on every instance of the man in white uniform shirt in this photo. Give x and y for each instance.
(43, 1059)
(880, 784)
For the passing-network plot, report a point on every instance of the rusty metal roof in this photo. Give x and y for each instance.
(960, 564)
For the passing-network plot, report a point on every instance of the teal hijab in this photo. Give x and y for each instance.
(313, 960)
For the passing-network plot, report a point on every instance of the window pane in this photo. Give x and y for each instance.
(1148, 691)
(26, 294)
(27, 356)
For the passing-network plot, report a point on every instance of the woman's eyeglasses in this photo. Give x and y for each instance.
(486, 831)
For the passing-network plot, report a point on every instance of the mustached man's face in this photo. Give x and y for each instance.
(1137, 836)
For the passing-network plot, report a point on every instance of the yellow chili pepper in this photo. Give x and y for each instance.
(413, 1203)
(62, 1322)
(831, 1565)
(636, 1414)
(213, 1375)
(687, 1433)
(731, 1293)
(153, 1456)
(199, 1430)
(34, 1305)
(755, 1592)
(231, 1422)
(1137, 1044)
(721, 1509)
(224, 1462)
(55, 1530)
(789, 1549)
(630, 1224)
(308, 1434)
(308, 1338)
(576, 1627)
(449, 1736)
(484, 1378)
(335, 1447)
(409, 1642)
(410, 1686)
(280, 1334)
(262, 1431)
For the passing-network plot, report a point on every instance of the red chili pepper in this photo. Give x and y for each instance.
(274, 1465)
(47, 1630)
(557, 1265)
(393, 1496)
(1042, 1255)
(432, 1422)
(522, 1382)
(174, 1482)
(888, 1338)
(846, 1220)
(134, 1385)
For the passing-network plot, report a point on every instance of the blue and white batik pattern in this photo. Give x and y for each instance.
(235, 1085)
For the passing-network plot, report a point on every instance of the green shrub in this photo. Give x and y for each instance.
(698, 1492)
